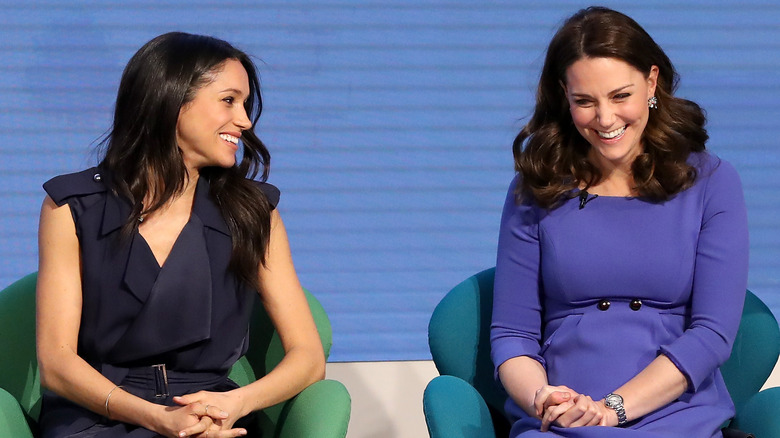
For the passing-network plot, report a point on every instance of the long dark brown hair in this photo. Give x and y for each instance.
(141, 151)
(550, 153)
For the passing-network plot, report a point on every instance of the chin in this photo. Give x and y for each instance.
(616, 153)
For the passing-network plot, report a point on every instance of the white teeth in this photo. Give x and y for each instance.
(612, 134)
(228, 137)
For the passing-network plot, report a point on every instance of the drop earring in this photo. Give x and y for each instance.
(652, 103)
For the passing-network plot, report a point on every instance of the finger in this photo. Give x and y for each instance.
(215, 412)
(198, 428)
(595, 419)
(556, 398)
(542, 399)
(215, 432)
(547, 398)
(587, 410)
(552, 414)
(582, 414)
(229, 433)
(184, 400)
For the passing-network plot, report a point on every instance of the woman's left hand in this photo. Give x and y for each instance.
(577, 412)
(222, 408)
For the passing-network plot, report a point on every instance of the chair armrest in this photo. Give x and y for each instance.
(758, 415)
(12, 421)
(453, 408)
(321, 410)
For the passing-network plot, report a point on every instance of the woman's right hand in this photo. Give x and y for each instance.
(193, 420)
(169, 421)
(565, 407)
(548, 396)
(577, 411)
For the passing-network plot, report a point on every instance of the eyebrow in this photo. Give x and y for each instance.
(232, 90)
(616, 90)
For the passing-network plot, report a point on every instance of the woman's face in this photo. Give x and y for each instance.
(608, 103)
(210, 125)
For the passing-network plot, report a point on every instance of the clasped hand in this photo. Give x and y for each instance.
(206, 414)
(565, 407)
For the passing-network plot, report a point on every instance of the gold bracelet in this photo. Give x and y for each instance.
(108, 397)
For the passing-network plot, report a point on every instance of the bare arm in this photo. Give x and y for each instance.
(525, 380)
(59, 304)
(286, 304)
(659, 384)
(522, 377)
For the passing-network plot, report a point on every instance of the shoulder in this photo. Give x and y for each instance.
(86, 182)
(270, 191)
(714, 171)
(718, 185)
(519, 206)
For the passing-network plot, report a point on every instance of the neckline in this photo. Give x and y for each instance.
(597, 195)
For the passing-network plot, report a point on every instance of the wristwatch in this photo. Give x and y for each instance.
(615, 402)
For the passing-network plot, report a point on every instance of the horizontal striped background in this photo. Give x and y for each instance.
(390, 125)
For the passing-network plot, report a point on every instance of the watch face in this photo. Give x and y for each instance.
(613, 400)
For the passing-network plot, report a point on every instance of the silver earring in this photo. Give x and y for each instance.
(652, 103)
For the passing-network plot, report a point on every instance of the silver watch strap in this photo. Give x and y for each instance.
(615, 402)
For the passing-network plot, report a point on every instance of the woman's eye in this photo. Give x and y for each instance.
(228, 100)
(622, 96)
(582, 102)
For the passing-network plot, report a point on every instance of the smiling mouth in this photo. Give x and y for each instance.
(612, 134)
(230, 138)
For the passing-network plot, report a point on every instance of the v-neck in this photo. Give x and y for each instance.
(173, 247)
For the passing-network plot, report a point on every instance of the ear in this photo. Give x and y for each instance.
(652, 81)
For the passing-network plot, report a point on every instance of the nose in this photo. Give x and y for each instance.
(241, 119)
(605, 115)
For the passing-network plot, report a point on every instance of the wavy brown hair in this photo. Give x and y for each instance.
(141, 152)
(550, 153)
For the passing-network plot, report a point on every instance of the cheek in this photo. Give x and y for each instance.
(637, 110)
(581, 117)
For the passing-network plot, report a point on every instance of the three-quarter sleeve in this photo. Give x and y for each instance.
(517, 309)
(719, 278)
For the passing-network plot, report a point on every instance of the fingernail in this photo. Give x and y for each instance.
(224, 414)
(181, 433)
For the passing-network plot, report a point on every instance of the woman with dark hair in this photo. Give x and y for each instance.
(150, 263)
(622, 255)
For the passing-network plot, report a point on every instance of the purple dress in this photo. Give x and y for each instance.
(595, 294)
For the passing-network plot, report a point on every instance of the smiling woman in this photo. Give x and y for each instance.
(616, 312)
(150, 264)
(608, 100)
(211, 124)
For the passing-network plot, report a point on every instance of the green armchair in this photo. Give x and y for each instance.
(322, 409)
(464, 401)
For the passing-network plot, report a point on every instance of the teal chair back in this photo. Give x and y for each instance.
(754, 354)
(459, 337)
(324, 405)
(459, 340)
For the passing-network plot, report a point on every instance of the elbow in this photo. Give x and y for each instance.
(316, 364)
(47, 373)
(53, 366)
(318, 368)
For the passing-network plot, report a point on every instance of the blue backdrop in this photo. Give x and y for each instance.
(390, 126)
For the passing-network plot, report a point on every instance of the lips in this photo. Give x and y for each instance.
(230, 138)
(612, 134)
